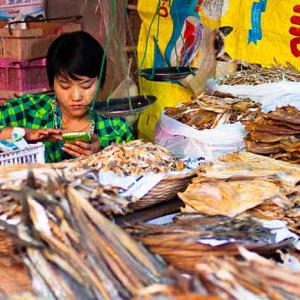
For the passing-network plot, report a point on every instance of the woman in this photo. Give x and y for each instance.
(73, 66)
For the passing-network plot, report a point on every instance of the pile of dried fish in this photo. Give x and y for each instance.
(185, 242)
(257, 75)
(73, 251)
(276, 134)
(275, 209)
(242, 181)
(105, 199)
(133, 158)
(208, 112)
(252, 277)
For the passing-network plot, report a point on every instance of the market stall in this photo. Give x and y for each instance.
(210, 209)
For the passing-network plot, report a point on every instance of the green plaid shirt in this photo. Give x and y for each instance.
(37, 112)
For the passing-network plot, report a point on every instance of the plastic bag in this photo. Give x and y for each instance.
(183, 140)
(127, 87)
(270, 95)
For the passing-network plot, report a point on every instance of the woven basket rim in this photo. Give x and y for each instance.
(180, 175)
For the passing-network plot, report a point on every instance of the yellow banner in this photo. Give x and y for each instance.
(264, 31)
(156, 32)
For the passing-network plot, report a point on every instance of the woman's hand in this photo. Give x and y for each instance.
(83, 149)
(39, 135)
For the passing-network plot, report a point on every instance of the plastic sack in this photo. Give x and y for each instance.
(9, 9)
(183, 140)
(112, 21)
(270, 95)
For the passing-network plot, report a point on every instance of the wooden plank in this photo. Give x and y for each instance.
(21, 33)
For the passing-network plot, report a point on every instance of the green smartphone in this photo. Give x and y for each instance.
(72, 137)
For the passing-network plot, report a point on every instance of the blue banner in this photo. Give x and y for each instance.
(255, 33)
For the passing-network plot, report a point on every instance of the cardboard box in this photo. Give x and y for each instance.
(33, 42)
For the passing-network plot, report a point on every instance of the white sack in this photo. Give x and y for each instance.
(270, 95)
(183, 140)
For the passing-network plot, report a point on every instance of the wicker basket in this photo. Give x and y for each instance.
(165, 190)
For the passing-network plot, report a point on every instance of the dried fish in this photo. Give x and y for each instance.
(256, 75)
(185, 242)
(228, 198)
(133, 158)
(227, 278)
(276, 134)
(84, 255)
(255, 274)
(104, 198)
(226, 187)
(208, 112)
(274, 209)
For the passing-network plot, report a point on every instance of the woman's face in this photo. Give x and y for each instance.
(75, 96)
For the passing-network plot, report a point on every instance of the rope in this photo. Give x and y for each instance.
(157, 35)
(148, 35)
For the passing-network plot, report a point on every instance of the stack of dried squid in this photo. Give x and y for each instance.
(193, 237)
(73, 251)
(132, 158)
(252, 277)
(208, 112)
(246, 182)
(256, 75)
(276, 134)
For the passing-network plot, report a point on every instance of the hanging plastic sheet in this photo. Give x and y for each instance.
(112, 24)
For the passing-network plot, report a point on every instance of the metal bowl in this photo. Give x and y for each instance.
(167, 74)
(127, 107)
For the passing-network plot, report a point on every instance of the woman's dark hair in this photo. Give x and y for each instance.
(76, 53)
